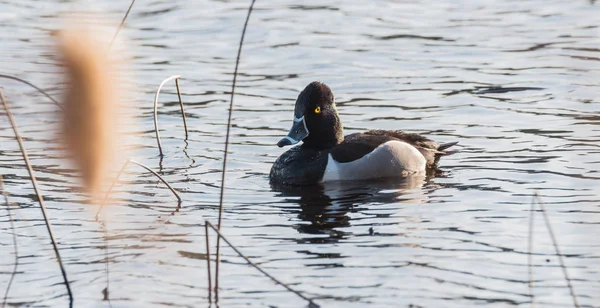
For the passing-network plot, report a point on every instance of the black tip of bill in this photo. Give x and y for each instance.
(284, 142)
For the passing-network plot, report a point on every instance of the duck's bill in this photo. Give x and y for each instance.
(298, 132)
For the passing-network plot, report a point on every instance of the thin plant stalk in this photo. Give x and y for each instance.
(557, 250)
(14, 235)
(181, 106)
(106, 291)
(39, 197)
(148, 169)
(176, 77)
(208, 263)
(35, 87)
(121, 25)
(310, 301)
(226, 151)
(530, 251)
(112, 185)
(220, 235)
(161, 178)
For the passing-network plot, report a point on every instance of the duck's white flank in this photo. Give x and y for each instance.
(393, 158)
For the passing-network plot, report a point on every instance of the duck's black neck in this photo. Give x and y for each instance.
(327, 137)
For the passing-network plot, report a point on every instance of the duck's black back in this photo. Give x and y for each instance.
(357, 145)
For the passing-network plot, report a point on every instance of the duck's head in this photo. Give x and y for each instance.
(316, 120)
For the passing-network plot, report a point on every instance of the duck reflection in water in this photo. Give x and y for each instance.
(326, 206)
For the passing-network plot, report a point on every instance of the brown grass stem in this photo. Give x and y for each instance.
(121, 25)
(182, 111)
(176, 77)
(208, 263)
(112, 185)
(105, 292)
(557, 250)
(310, 301)
(529, 250)
(14, 236)
(35, 87)
(226, 150)
(39, 196)
(554, 244)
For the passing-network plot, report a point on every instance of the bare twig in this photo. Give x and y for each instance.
(121, 25)
(39, 196)
(310, 301)
(176, 77)
(119, 175)
(208, 263)
(12, 228)
(106, 291)
(35, 87)
(161, 178)
(111, 188)
(225, 152)
(529, 249)
(112, 185)
(182, 111)
(557, 250)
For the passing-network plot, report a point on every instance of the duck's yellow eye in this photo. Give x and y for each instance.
(318, 110)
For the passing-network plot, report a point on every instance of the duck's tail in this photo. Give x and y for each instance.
(442, 148)
(441, 151)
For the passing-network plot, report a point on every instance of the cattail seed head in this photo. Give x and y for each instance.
(90, 103)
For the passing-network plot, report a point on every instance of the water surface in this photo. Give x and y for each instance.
(515, 82)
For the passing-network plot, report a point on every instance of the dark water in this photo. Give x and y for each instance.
(515, 82)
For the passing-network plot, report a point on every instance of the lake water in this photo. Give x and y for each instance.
(517, 83)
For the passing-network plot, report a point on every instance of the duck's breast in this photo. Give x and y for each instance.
(299, 166)
(390, 159)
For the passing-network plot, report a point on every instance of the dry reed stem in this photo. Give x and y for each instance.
(156, 130)
(91, 103)
(208, 263)
(119, 175)
(39, 196)
(556, 249)
(226, 150)
(120, 26)
(14, 236)
(310, 301)
(112, 185)
(35, 87)
(529, 250)
(182, 111)
(106, 290)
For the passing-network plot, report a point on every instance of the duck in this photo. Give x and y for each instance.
(326, 155)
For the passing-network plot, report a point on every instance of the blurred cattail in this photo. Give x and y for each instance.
(90, 103)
